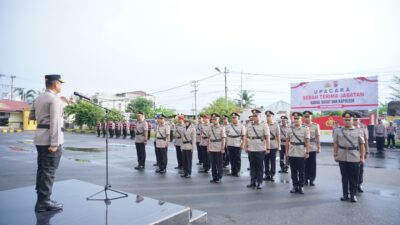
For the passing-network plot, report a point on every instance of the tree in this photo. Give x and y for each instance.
(164, 110)
(395, 88)
(114, 115)
(28, 96)
(218, 106)
(140, 104)
(246, 98)
(85, 113)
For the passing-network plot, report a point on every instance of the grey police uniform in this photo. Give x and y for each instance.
(380, 134)
(161, 144)
(256, 147)
(187, 147)
(348, 141)
(198, 139)
(235, 135)
(216, 136)
(48, 110)
(141, 127)
(204, 145)
(296, 152)
(270, 158)
(179, 130)
(311, 162)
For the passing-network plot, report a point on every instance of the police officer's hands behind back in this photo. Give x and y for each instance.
(306, 155)
(53, 149)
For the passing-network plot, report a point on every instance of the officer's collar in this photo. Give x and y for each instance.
(218, 125)
(51, 91)
(349, 128)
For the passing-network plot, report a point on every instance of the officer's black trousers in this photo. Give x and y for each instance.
(216, 164)
(270, 163)
(256, 160)
(380, 143)
(163, 158)
(297, 167)
(132, 133)
(225, 157)
(205, 157)
(349, 171)
(98, 132)
(391, 140)
(111, 132)
(47, 163)
(104, 132)
(158, 156)
(148, 134)
(361, 174)
(311, 166)
(125, 133)
(282, 158)
(199, 153)
(187, 156)
(234, 156)
(141, 153)
(179, 156)
(117, 133)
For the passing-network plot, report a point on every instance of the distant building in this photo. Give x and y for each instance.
(14, 115)
(119, 101)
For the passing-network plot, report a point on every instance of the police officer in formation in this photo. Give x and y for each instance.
(178, 132)
(205, 128)
(117, 129)
(132, 129)
(124, 129)
(379, 135)
(275, 145)
(284, 128)
(187, 147)
(225, 156)
(235, 133)
(315, 147)
(141, 140)
(162, 136)
(104, 128)
(111, 127)
(364, 130)
(297, 150)
(256, 145)
(348, 149)
(216, 147)
(98, 128)
(198, 139)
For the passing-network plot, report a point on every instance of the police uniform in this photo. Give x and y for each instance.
(225, 155)
(380, 134)
(149, 130)
(179, 129)
(104, 128)
(311, 161)
(140, 142)
(162, 135)
(270, 158)
(391, 135)
(98, 126)
(198, 138)
(216, 147)
(124, 129)
(297, 151)
(282, 153)
(257, 141)
(364, 131)
(187, 147)
(48, 111)
(117, 129)
(348, 150)
(234, 141)
(205, 128)
(111, 126)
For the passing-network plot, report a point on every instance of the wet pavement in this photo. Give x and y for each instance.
(227, 203)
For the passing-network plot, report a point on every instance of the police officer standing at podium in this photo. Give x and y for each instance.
(48, 110)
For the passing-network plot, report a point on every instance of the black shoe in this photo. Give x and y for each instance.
(360, 189)
(306, 183)
(158, 170)
(155, 164)
(272, 179)
(235, 175)
(213, 181)
(137, 167)
(203, 171)
(344, 198)
(163, 171)
(294, 190)
(181, 172)
(178, 168)
(267, 178)
(353, 198)
(218, 181)
(281, 171)
(187, 176)
(48, 206)
(183, 175)
(199, 163)
(259, 186)
(248, 168)
(286, 171)
(300, 190)
(229, 174)
(251, 185)
(312, 183)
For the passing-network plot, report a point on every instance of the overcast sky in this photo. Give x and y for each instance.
(119, 46)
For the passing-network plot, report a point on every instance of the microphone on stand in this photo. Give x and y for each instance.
(81, 96)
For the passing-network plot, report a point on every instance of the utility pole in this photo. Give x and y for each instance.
(194, 84)
(12, 87)
(226, 88)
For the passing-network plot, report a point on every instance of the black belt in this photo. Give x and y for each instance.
(159, 138)
(312, 139)
(205, 137)
(272, 139)
(252, 138)
(178, 138)
(47, 126)
(232, 136)
(283, 140)
(139, 133)
(216, 140)
(186, 142)
(348, 148)
(295, 143)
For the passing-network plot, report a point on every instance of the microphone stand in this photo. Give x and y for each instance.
(107, 186)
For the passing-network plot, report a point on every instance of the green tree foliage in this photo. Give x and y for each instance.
(247, 98)
(218, 106)
(140, 104)
(85, 113)
(28, 96)
(114, 115)
(395, 87)
(164, 110)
